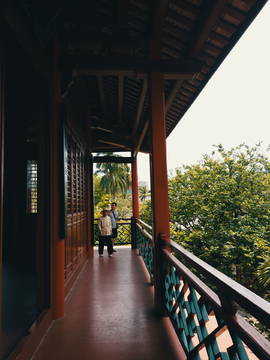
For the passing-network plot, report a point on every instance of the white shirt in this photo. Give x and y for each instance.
(105, 225)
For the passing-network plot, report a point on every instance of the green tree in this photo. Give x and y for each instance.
(99, 193)
(144, 193)
(115, 178)
(220, 210)
(264, 272)
(145, 211)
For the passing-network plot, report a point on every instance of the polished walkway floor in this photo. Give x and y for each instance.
(109, 315)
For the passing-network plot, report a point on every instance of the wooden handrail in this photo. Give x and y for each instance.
(149, 236)
(254, 340)
(144, 224)
(253, 303)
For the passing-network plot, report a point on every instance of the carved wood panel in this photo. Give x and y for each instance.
(75, 243)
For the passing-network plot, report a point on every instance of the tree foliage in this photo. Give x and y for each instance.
(115, 178)
(98, 191)
(145, 210)
(144, 193)
(220, 208)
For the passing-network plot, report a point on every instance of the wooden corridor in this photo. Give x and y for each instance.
(109, 315)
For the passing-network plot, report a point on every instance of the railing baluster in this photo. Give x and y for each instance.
(206, 323)
(197, 305)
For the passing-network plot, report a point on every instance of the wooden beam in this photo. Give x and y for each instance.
(27, 40)
(206, 26)
(112, 139)
(114, 143)
(112, 159)
(139, 143)
(120, 98)
(122, 10)
(128, 66)
(160, 10)
(140, 107)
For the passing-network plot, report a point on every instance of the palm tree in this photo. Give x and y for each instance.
(263, 273)
(144, 193)
(116, 177)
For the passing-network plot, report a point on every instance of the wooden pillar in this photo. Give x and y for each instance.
(57, 249)
(158, 169)
(135, 200)
(2, 99)
(89, 182)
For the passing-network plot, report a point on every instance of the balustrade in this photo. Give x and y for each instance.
(207, 322)
(145, 245)
(123, 232)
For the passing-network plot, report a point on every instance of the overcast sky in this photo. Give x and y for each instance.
(233, 107)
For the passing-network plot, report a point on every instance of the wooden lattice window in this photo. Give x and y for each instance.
(78, 180)
(74, 178)
(68, 146)
(31, 190)
(82, 182)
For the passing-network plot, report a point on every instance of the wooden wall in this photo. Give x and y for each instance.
(76, 241)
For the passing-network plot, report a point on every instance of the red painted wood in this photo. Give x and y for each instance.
(2, 84)
(58, 250)
(89, 186)
(135, 200)
(158, 166)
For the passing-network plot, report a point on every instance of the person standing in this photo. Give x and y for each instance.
(114, 217)
(105, 232)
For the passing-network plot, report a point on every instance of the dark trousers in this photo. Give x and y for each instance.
(105, 240)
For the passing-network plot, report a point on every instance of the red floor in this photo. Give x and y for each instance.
(110, 315)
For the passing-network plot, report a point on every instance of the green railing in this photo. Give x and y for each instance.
(123, 232)
(206, 322)
(144, 243)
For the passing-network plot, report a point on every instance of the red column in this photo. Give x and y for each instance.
(135, 200)
(2, 85)
(89, 182)
(57, 249)
(158, 168)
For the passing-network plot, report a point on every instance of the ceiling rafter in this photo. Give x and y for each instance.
(120, 98)
(186, 6)
(205, 27)
(226, 26)
(140, 106)
(140, 140)
(174, 92)
(107, 139)
(173, 15)
(219, 38)
(101, 89)
(235, 13)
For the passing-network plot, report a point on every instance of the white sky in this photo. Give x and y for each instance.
(233, 107)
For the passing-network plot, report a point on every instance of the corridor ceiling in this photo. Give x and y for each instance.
(104, 57)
